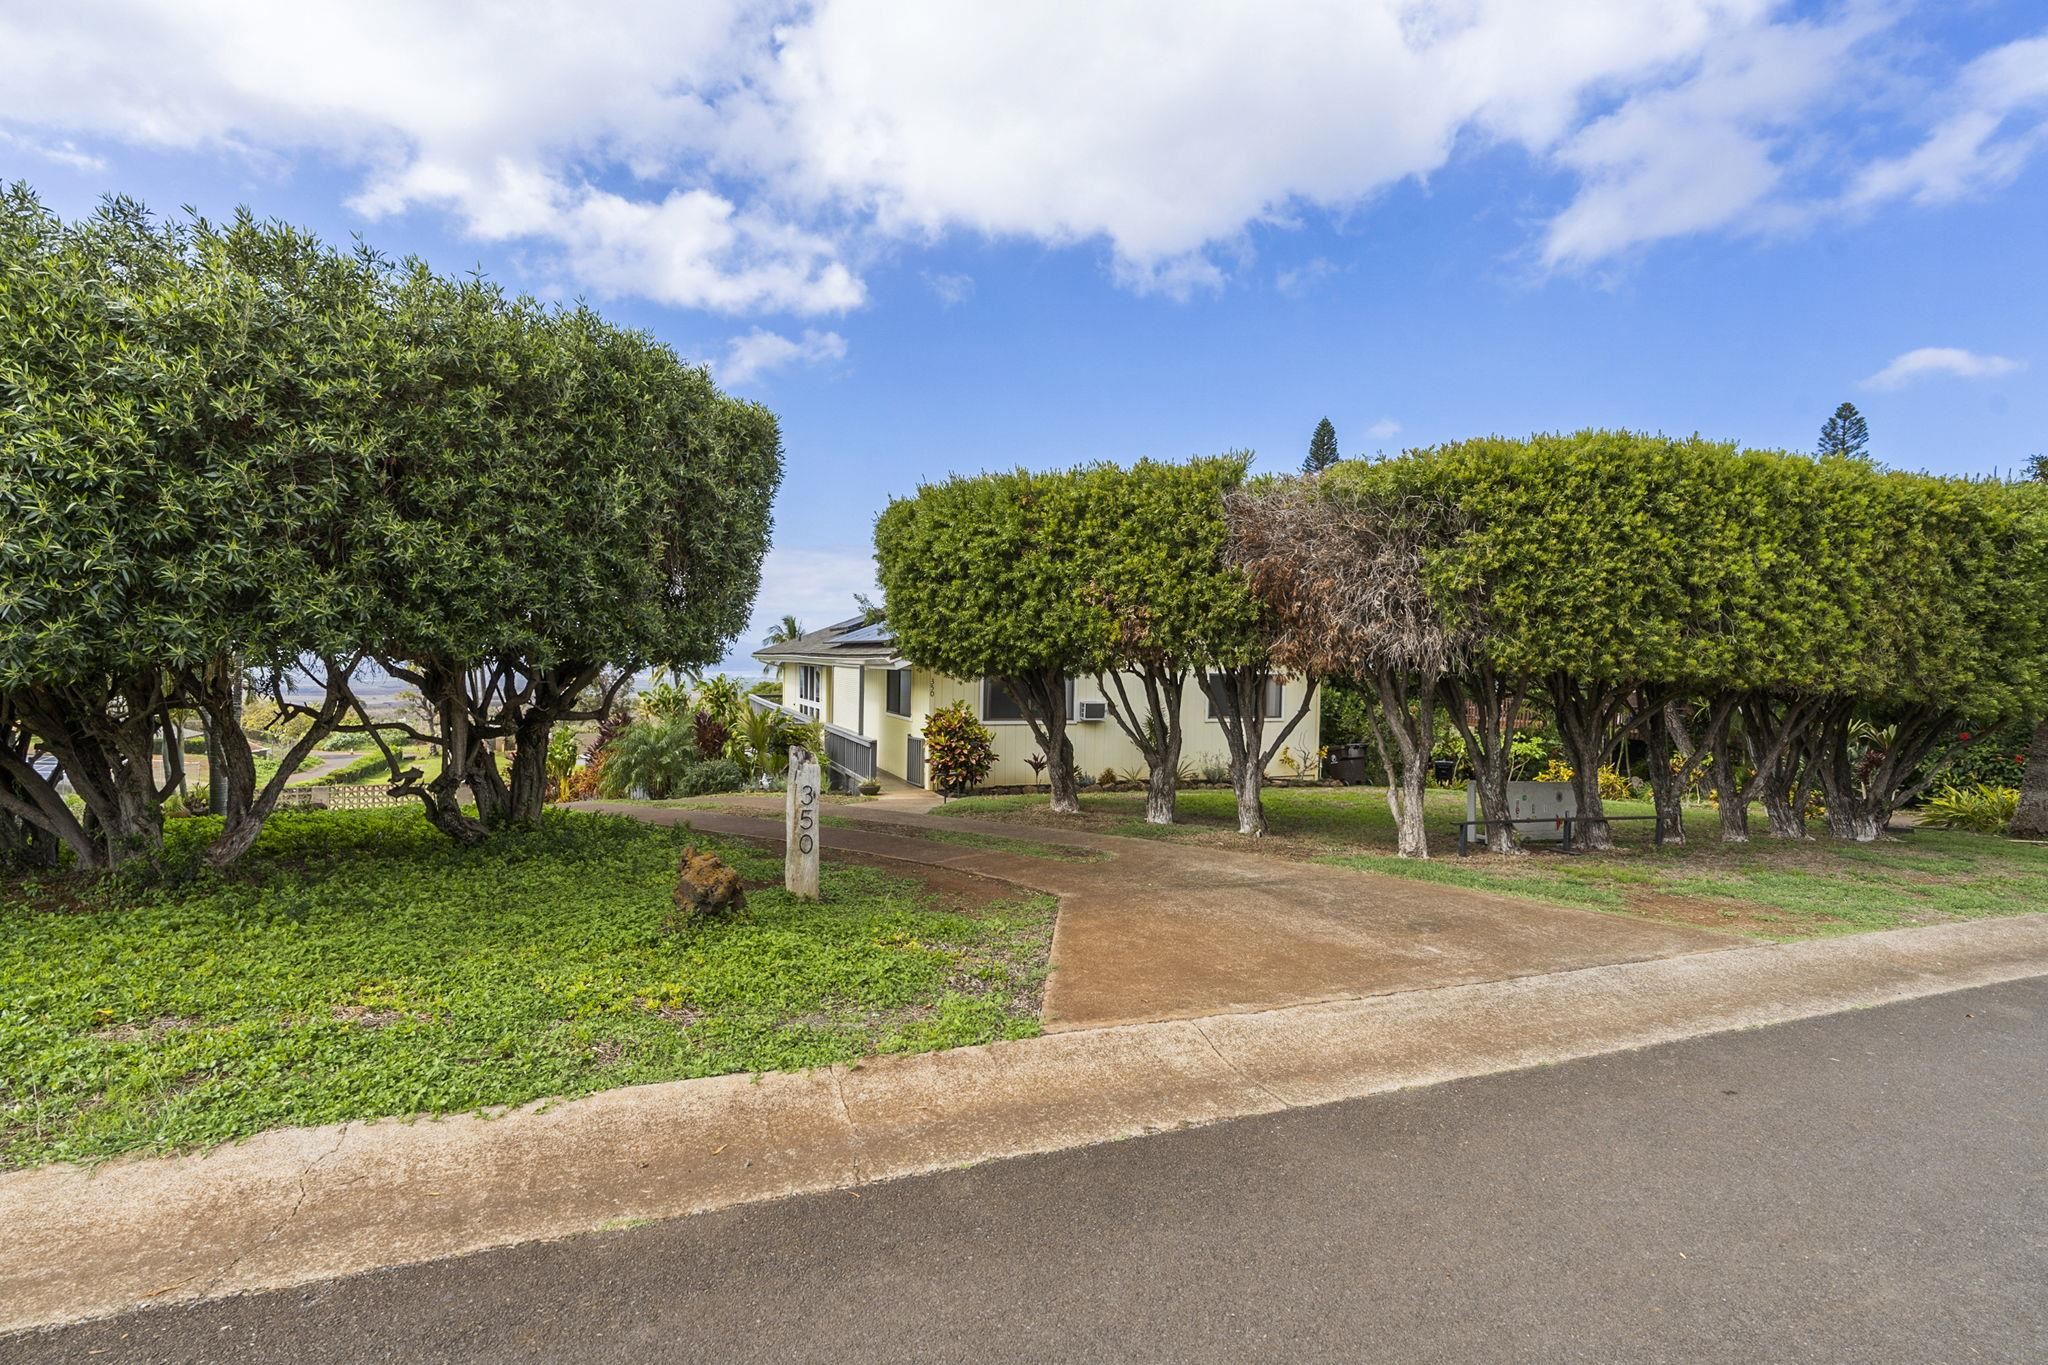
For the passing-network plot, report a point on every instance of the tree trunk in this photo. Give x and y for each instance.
(526, 794)
(1482, 706)
(1868, 774)
(106, 740)
(244, 807)
(2031, 820)
(1662, 735)
(1239, 696)
(1585, 715)
(1042, 696)
(1248, 781)
(1730, 795)
(1404, 732)
(1784, 809)
(1157, 735)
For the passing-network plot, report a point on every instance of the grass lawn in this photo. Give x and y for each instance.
(1765, 888)
(361, 964)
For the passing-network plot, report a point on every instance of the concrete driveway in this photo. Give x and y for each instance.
(1160, 930)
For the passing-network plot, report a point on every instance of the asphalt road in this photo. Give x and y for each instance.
(1868, 1187)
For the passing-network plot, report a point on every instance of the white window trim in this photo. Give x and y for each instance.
(909, 701)
(813, 706)
(1073, 706)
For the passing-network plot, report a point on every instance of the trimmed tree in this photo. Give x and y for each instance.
(2030, 821)
(183, 436)
(983, 577)
(1338, 562)
(1154, 538)
(566, 502)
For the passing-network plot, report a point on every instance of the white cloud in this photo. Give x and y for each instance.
(1997, 117)
(1296, 281)
(952, 290)
(1383, 428)
(1928, 361)
(814, 584)
(1702, 153)
(750, 356)
(62, 152)
(745, 156)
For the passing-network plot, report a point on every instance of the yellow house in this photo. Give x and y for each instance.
(873, 704)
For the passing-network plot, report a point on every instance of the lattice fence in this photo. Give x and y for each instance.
(341, 796)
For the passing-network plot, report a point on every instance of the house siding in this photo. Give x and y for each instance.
(1097, 744)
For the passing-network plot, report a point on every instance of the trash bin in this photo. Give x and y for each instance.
(1347, 763)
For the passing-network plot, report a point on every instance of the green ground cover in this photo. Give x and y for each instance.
(360, 964)
(1766, 888)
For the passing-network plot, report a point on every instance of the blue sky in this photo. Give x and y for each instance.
(935, 238)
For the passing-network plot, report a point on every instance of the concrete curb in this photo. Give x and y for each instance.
(299, 1205)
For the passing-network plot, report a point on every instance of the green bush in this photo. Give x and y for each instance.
(1997, 758)
(1344, 716)
(1980, 809)
(711, 775)
(370, 768)
(958, 749)
(195, 744)
(660, 758)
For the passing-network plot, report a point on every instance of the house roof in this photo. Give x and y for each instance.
(853, 641)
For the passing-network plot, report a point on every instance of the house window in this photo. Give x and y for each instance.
(998, 705)
(1274, 687)
(810, 690)
(896, 699)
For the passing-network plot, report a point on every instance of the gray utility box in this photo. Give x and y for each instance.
(1545, 804)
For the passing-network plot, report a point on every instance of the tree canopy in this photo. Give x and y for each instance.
(228, 450)
(1789, 603)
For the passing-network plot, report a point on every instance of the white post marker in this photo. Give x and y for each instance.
(800, 824)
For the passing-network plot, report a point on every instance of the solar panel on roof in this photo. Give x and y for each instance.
(875, 633)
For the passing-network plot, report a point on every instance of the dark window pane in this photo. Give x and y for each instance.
(997, 703)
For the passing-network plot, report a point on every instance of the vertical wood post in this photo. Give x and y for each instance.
(800, 824)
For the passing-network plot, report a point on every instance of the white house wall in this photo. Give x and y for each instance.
(1097, 744)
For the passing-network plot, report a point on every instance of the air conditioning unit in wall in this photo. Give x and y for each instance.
(1094, 710)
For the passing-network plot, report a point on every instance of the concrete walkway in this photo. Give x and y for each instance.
(1164, 930)
(300, 1205)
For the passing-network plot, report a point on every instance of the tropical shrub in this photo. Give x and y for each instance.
(1997, 758)
(663, 697)
(958, 749)
(650, 756)
(711, 735)
(1979, 809)
(561, 758)
(1613, 786)
(711, 775)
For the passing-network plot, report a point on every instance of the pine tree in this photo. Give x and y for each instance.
(1322, 449)
(1845, 433)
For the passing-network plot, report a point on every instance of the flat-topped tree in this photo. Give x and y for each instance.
(1154, 542)
(1950, 635)
(183, 438)
(1339, 563)
(2030, 821)
(983, 577)
(564, 497)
